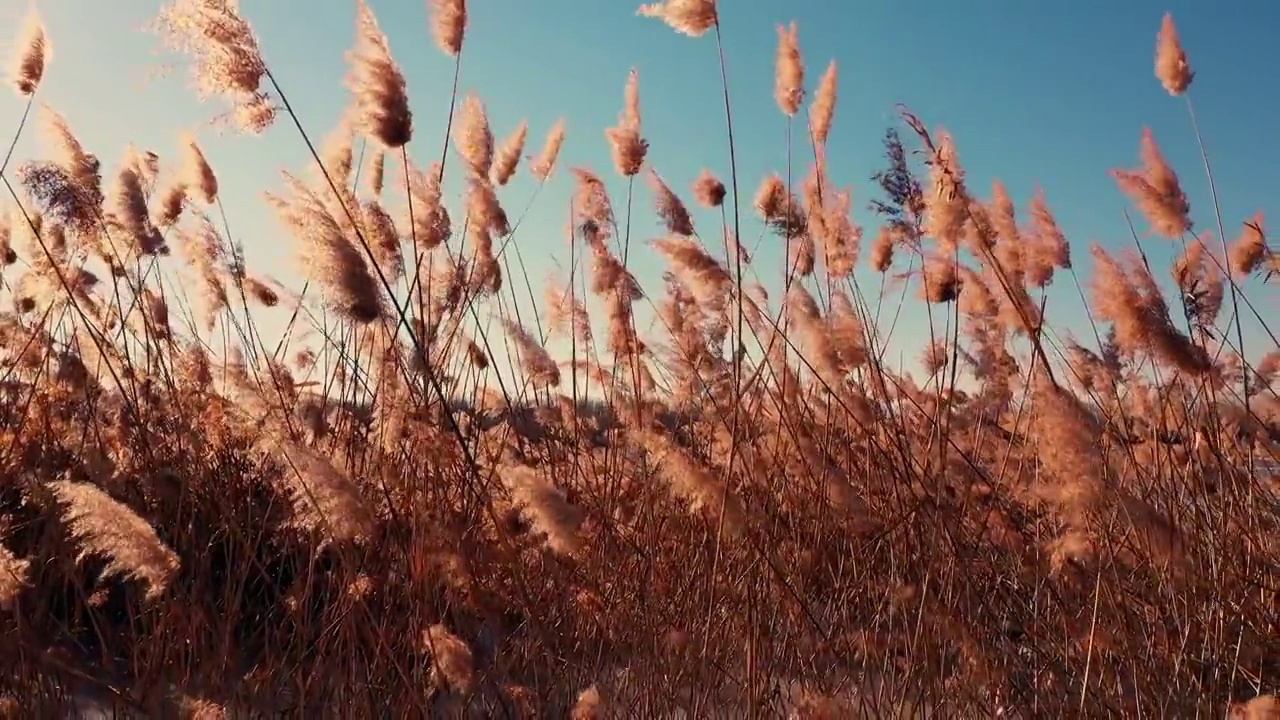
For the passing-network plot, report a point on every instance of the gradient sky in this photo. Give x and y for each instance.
(1038, 94)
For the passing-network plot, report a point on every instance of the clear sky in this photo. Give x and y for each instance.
(1038, 94)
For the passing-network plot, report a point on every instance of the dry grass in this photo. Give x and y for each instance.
(750, 514)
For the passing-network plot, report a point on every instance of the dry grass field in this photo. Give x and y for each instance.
(747, 514)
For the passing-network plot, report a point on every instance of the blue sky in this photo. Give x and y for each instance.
(1038, 94)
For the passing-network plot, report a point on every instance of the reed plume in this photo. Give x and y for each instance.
(30, 54)
(671, 209)
(197, 175)
(507, 158)
(1250, 249)
(328, 253)
(13, 577)
(708, 190)
(224, 53)
(629, 148)
(473, 137)
(425, 216)
(377, 86)
(691, 17)
(823, 109)
(788, 83)
(1172, 69)
(1155, 190)
(452, 663)
(542, 165)
(551, 513)
(449, 24)
(109, 529)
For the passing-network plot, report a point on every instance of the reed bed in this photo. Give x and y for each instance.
(399, 509)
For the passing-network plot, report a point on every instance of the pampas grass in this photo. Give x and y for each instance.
(106, 528)
(441, 493)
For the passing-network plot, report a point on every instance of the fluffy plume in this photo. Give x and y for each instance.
(670, 208)
(1068, 436)
(224, 52)
(593, 212)
(823, 108)
(377, 85)
(1248, 250)
(693, 482)
(699, 272)
(451, 660)
(780, 209)
(328, 253)
(534, 360)
(1172, 69)
(590, 706)
(109, 529)
(629, 148)
(542, 165)
(197, 175)
(426, 217)
(202, 248)
(261, 291)
(13, 577)
(788, 84)
(324, 499)
(31, 54)
(449, 24)
(507, 158)
(708, 190)
(691, 17)
(1049, 247)
(1196, 274)
(377, 171)
(566, 314)
(67, 187)
(127, 216)
(546, 506)
(882, 250)
(337, 150)
(474, 139)
(1154, 189)
(948, 200)
(1129, 298)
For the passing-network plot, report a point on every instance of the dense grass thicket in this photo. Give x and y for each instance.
(747, 512)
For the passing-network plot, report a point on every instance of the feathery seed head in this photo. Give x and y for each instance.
(197, 174)
(1172, 69)
(507, 158)
(823, 108)
(474, 139)
(708, 190)
(545, 162)
(107, 528)
(546, 506)
(426, 216)
(224, 52)
(377, 85)
(1249, 250)
(629, 148)
(31, 54)
(451, 659)
(670, 208)
(13, 577)
(788, 87)
(449, 24)
(691, 17)
(1155, 190)
(1049, 245)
